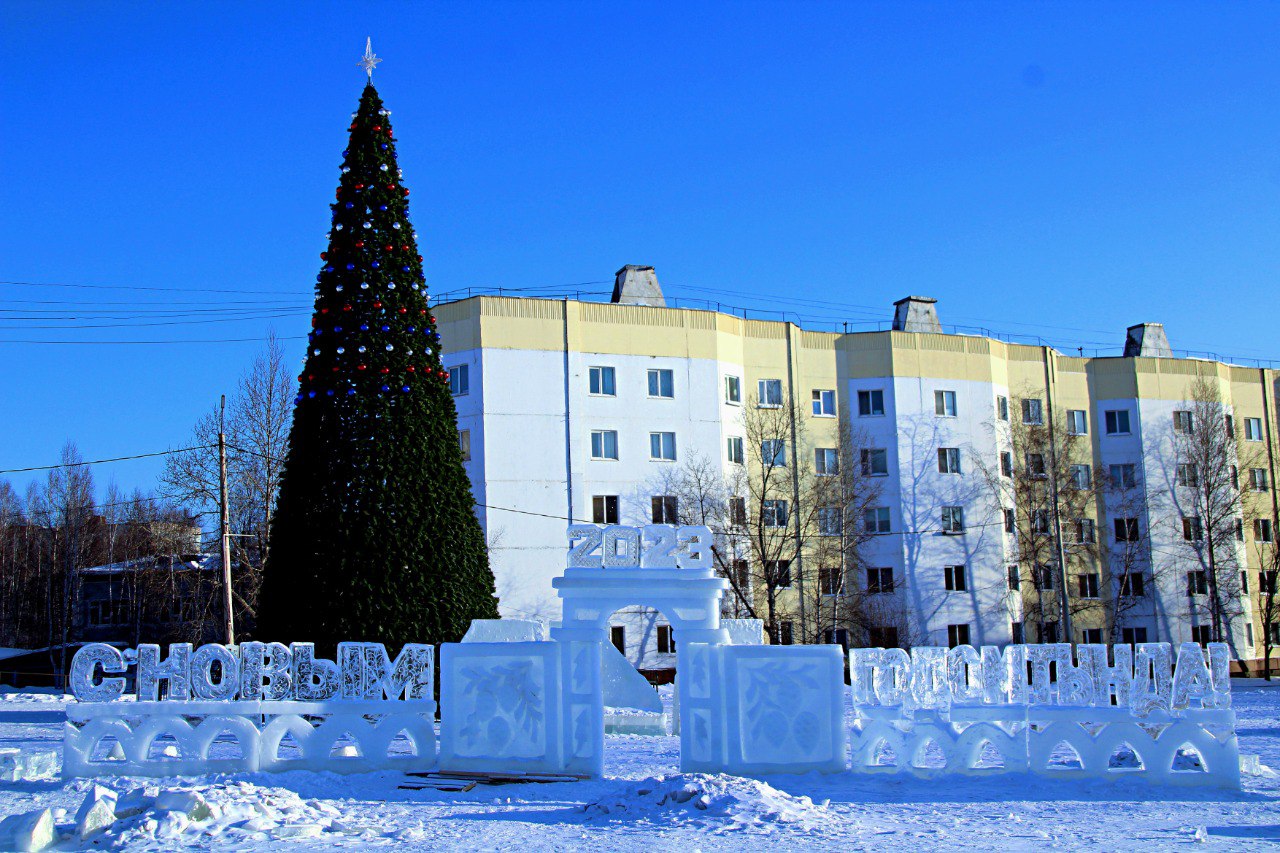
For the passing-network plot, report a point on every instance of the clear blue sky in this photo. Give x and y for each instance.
(1055, 169)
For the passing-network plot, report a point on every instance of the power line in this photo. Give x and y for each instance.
(101, 461)
(142, 288)
(143, 343)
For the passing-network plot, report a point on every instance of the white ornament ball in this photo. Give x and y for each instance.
(341, 350)
(368, 225)
(338, 288)
(361, 349)
(390, 347)
(391, 287)
(346, 169)
(315, 352)
(395, 225)
(383, 167)
(339, 226)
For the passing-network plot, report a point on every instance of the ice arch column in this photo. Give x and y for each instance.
(690, 599)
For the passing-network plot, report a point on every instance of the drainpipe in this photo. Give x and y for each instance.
(795, 481)
(1063, 599)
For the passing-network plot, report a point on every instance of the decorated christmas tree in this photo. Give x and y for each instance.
(375, 536)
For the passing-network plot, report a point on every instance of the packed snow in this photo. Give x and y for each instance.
(644, 803)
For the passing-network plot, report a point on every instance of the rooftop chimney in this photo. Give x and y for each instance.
(916, 314)
(1147, 340)
(637, 285)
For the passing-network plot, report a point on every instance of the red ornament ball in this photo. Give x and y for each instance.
(324, 310)
(377, 304)
(410, 368)
(404, 310)
(360, 367)
(359, 244)
(324, 256)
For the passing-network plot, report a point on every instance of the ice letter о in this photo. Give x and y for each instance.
(202, 683)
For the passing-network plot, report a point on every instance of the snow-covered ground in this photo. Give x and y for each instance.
(645, 804)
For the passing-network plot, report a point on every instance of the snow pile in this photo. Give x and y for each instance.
(226, 812)
(745, 802)
(33, 694)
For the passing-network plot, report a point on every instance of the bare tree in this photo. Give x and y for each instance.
(1268, 603)
(257, 428)
(788, 523)
(1205, 495)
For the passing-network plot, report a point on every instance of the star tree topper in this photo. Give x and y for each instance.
(369, 60)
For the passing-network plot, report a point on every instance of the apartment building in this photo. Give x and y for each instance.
(582, 410)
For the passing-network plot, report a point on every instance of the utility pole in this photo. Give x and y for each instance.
(224, 537)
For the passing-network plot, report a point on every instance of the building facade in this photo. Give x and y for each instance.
(1005, 492)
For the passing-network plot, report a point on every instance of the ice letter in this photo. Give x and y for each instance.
(176, 670)
(965, 675)
(352, 670)
(1040, 656)
(264, 672)
(1220, 671)
(892, 677)
(1151, 679)
(1191, 679)
(412, 675)
(1004, 675)
(1108, 679)
(929, 685)
(82, 671)
(862, 663)
(314, 680)
(202, 684)
(1075, 683)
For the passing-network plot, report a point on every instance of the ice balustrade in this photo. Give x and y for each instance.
(537, 706)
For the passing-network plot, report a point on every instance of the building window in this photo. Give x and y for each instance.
(662, 446)
(666, 643)
(464, 443)
(882, 637)
(1077, 422)
(1248, 634)
(1042, 578)
(1262, 531)
(1035, 465)
(953, 519)
(742, 575)
(1239, 529)
(957, 635)
(604, 509)
(870, 403)
(829, 582)
(1006, 463)
(1091, 636)
(825, 461)
(876, 519)
(618, 636)
(604, 444)
(1117, 421)
(1126, 530)
(824, 403)
(460, 380)
(601, 382)
(770, 393)
(774, 513)
(1133, 585)
(733, 390)
(948, 460)
(880, 580)
(1267, 582)
(1087, 585)
(1002, 408)
(1015, 629)
(1244, 582)
(782, 636)
(875, 462)
(944, 403)
(1040, 522)
(779, 571)
(1197, 583)
(1086, 531)
(773, 453)
(1188, 475)
(664, 509)
(1253, 429)
(662, 384)
(735, 449)
(1081, 477)
(1124, 476)
(1015, 578)
(830, 521)
(1049, 632)
(1231, 426)
(738, 511)
(1192, 529)
(953, 577)
(1234, 474)
(1258, 479)
(1032, 411)
(1010, 520)
(1182, 422)
(1133, 636)
(836, 637)
(1202, 635)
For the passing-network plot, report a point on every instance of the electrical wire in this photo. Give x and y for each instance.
(102, 461)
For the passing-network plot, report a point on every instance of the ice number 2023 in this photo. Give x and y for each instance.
(655, 546)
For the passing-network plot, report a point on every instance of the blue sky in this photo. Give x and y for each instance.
(1060, 170)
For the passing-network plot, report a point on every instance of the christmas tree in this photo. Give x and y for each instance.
(375, 536)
